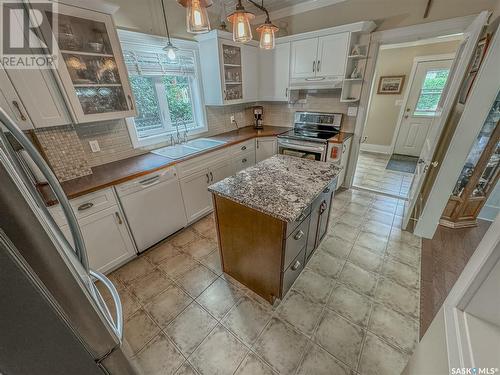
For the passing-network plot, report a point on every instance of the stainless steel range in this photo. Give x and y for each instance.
(310, 134)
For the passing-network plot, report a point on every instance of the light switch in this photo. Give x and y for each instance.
(94, 146)
(352, 111)
(398, 103)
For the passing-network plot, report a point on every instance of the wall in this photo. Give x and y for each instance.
(383, 113)
(492, 207)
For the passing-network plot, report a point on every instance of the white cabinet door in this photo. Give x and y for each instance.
(265, 148)
(332, 54)
(250, 72)
(220, 171)
(303, 58)
(244, 160)
(106, 238)
(346, 147)
(197, 200)
(275, 73)
(12, 104)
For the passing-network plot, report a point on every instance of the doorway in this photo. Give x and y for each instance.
(398, 121)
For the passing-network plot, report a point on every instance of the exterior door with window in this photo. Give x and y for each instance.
(421, 106)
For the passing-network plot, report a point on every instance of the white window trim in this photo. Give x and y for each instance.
(200, 116)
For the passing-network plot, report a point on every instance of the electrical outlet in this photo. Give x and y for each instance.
(232, 119)
(352, 111)
(94, 146)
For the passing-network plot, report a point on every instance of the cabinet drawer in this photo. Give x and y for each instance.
(296, 242)
(244, 160)
(199, 163)
(291, 274)
(244, 147)
(290, 227)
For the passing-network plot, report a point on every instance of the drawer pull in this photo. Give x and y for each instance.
(149, 181)
(18, 107)
(244, 148)
(119, 218)
(298, 235)
(296, 265)
(244, 160)
(85, 206)
(211, 177)
(327, 190)
(301, 217)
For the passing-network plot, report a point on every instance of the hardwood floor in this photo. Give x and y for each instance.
(443, 259)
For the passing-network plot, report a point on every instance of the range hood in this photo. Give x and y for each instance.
(316, 83)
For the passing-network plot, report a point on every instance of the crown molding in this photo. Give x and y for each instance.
(292, 10)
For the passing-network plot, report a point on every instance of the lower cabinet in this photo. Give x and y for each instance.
(106, 238)
(265, 147)
(243, 160)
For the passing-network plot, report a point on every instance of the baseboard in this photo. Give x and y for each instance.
(379, 149)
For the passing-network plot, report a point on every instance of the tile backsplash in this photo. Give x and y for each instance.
(69, 153)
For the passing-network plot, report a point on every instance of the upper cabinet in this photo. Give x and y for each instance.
(91, 69)
(274, 74)
(319, 59)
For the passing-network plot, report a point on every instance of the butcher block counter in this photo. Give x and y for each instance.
(270, 219)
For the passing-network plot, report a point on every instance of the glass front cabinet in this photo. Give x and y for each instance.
(90, 66)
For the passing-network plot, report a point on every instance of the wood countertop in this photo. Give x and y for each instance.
(114, 173)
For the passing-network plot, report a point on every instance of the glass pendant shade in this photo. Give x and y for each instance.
(197, 18)
(267, 31)
(171, 51)
(242, 32)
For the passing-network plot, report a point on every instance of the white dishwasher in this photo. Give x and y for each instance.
(153, 206)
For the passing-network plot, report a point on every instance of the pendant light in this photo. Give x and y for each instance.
(240, 19)
(170, 49)
(197, 20)
(267, 30)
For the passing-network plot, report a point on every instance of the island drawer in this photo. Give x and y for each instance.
(295, 242)
(291, 226)
(291, 274)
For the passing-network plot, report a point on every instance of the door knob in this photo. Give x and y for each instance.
(435, 164)
(420, 161)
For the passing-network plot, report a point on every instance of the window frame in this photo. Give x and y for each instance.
(147, 42)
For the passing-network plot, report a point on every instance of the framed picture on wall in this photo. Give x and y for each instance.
(391, 84)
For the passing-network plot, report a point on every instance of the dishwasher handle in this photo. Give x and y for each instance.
(150, 181)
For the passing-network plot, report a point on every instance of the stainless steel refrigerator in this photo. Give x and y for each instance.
(53, 320)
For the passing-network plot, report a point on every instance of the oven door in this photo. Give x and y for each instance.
(302, 149)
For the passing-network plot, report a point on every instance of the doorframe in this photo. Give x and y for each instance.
(416, 61)
(399, 35)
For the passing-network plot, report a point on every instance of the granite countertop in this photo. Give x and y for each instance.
(280, 186)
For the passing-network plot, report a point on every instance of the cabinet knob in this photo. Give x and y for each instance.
(296, 265)
(314, 66)
(211, 177)
(318, 66)
(119, 218)
(301, 217)
(244, 160)
(244, 148)
(298, 235)
(208, 178)
(85, 206)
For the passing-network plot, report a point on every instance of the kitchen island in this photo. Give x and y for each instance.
(270, 219)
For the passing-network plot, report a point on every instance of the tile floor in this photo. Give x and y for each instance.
(371, 174)
(353, 310)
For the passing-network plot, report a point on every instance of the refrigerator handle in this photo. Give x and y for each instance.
(53, 183)
(118, 325)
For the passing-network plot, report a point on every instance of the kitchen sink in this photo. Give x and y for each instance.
(176, 151)
(185, 149)
(204, 143)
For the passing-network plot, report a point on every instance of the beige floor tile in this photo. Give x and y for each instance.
(314, 286)
(397, 297)
(130, 304)
(190, 328)
(213, 262)
(177, 265)
(380, 216)
(406, 237)
(404, 253)
(253, 365)
(378, 358)
(340, 338)
(205, 225)
(219, 297)
(300, 312)
(199, 248)
(344, 231)
(146, 287)
(281, 346)
(318, 361)
(184, 237)
(134, 269)
(161, 252)
(365, 258)
(186, 369)
(395, 328)
(351, 219)
(388, 206)
(139, 329)
(196, 280)
(401, 273)
(358, 279)
(158, 357)
(219, 354)
(167, 305)
(373, 242)
(350, 304)
(326, 265)
(247, 319)
(378, 228)
(356, 208)
(336, 246)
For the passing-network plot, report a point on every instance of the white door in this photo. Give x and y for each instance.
(250, 72)
(220, 171)
(332, 54)
(274, 73)
(425, 91)
(243, 161)
(457, 72)
(303, 58)
(12, 104)
(197, 200)
(265, 148)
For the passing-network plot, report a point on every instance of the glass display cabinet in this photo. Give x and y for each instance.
(90, 65)
(478, 177)
(231, 59)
